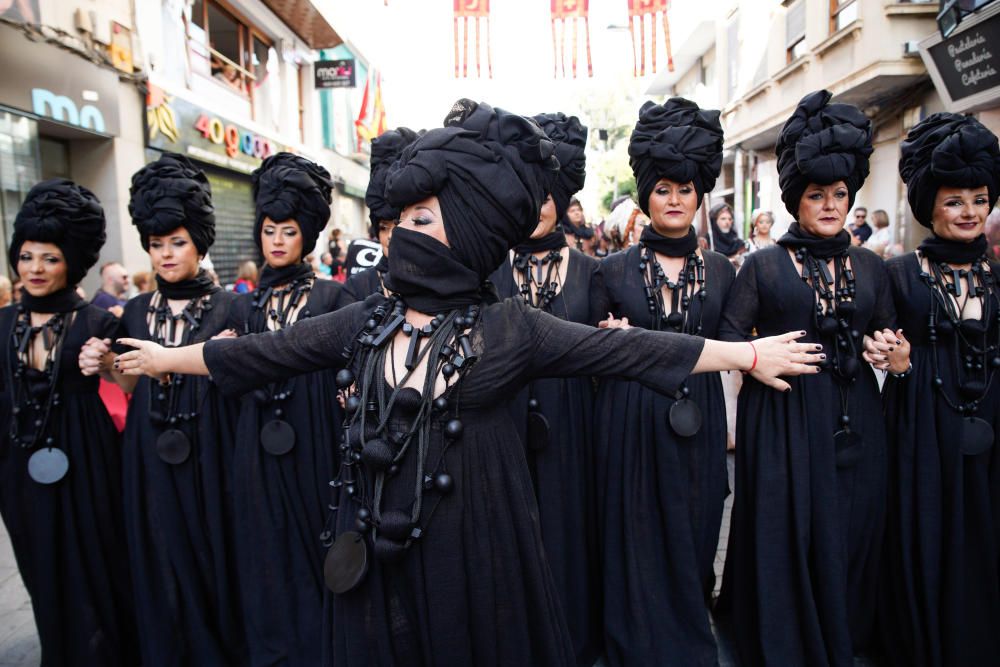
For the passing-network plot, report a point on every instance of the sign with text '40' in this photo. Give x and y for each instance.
(174, 124)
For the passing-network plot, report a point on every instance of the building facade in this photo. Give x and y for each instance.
(94, 89)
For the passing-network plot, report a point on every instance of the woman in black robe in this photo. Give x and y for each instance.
(178, 440)
(802, 563)
(285, 453)
(941, 573)
(553, 415)
(60, 454)
(382, 215)
(661, 457)
(438, 558)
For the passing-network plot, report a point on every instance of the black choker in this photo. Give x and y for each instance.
(191, 288)
(60, 301)
(371, 453)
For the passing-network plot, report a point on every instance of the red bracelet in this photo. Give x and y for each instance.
(754, 364)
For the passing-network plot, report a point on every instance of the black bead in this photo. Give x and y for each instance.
(344, 378)
(845, 419)
(350, 490)
(938, 382)
(686, 391)
(444, 483)
(453, 429)
(364, 514)
(448, 370)
(279, 412)
(440, 403)
(371, 324)
(352, 404)
(995, 362)
(532, 403)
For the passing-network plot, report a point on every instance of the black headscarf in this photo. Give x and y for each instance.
(822, 143)
(172, 193)
(490, 188)
(386, 149)
(728, 243)
(675, 140)
(61, 212)
(290, 187)
(946, 149)
(570, 138)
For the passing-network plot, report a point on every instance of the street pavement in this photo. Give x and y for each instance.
(18, 637)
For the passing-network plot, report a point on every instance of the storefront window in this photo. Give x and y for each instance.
(19, 170)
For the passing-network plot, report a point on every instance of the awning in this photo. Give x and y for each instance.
(305, 18)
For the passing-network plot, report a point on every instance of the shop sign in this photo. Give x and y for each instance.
(44, 80)
(174, 124)
(966, 66)
(334, 73)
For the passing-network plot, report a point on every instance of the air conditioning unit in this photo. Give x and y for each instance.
(911, 49)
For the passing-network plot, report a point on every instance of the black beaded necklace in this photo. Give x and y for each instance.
(35, 395)
(833, 316)
(173, 445)
(684, 416)
(539, 277)
(372, 453)
(273, 308)
(975, 357)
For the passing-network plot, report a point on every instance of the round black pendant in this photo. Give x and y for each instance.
(977, 436)
(538, 431)
(173, 447)
(48, 465)
(848, 447)
(346, 562)
(685, 417)
(277, 437)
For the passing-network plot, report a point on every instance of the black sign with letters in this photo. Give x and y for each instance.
(362, 254)
(334, 73)
(968, 62)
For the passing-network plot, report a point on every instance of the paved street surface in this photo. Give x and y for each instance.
(18, 639)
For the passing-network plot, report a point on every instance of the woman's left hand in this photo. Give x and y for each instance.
(144, 360)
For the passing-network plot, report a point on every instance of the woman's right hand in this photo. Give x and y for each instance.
(779, 356)
(144, 360)
(92, 356)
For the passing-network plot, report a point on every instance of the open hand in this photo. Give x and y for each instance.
(93, 354)
(781, 355)
(144, 360)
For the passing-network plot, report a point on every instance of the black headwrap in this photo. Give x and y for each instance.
(61, 212)
(386, 149)
(490, 190)
(946, 149)
(675, 140)
(172, 193)
(728, 243)
(570, 138)
(822, 143)
(290, 187)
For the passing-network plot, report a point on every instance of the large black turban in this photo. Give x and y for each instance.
(290, 187)
(947, 149)
(490, 180)
(675, 140)
(172, 193)
(822, 143)
(63, 213)
(570, 138)
(386, 149)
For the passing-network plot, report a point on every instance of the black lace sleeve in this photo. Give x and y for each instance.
(739, 315)
(238, 365)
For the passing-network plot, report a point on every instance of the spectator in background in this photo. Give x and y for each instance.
(6, 290)
(114, 285)
(142, 281)
(880, 239)
(246, 278)
(326, 265)
(760, 231)
(725, 239)
(15, 292)
(860, 229)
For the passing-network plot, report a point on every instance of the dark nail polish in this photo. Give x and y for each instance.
(788, 390)
(822, 356)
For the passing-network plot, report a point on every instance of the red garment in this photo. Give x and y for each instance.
(116, 402)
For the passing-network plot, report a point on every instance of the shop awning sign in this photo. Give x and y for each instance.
(965, 67)
(334, 73)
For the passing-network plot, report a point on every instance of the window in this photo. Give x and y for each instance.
(795, 30)
(842, 14)
(228, 50)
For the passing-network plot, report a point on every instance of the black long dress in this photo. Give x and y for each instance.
(563, 469)
(280, 504)
(476, 588)
(69, 537)
(662, 493)
(802, 563)
(941, 581)
(179, 518)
